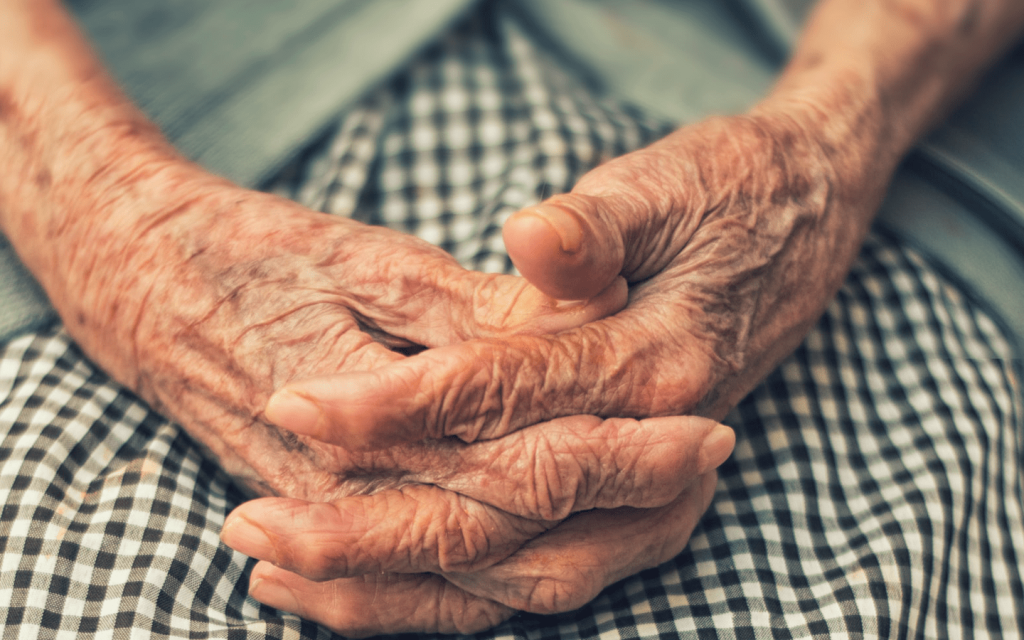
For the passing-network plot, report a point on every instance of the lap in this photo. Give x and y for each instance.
(874, 491)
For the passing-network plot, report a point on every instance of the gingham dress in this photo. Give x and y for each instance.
(875, 490)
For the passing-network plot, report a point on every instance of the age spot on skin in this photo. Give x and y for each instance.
(6, 106)
(44, 179)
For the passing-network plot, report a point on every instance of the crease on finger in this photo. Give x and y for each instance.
(569, 565)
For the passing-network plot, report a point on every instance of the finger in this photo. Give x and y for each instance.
(628, 217)
(569, 246)
(403, 287)
(559, 571)
(490, 499)
(379, 603)
(497, 306)
(488, 388)
(568, 566)
(415, 529)
(494, 494)
(551, 470)
(447, 305)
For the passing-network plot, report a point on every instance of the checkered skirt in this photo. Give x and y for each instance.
(875, 490)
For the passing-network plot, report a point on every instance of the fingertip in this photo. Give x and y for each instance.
(344, 410)
(716, 448)
(561, 251)
(296, 412)
(271, 592)
(265, 571)
(245, 536)
(543, 229)
(708, 487)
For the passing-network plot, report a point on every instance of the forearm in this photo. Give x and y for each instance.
(83, 173)
(68, 137)
(876, 75)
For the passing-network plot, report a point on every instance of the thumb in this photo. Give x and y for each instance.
(569, 246)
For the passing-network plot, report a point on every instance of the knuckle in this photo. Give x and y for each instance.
(599, 359)
(553, 489)
(500, 306)
(469, 536)
(468, 395)
(462, 545)
(324, 555)
(339, 618)
(460, 612)
(490, 390)
(647, 468)
(570, 590)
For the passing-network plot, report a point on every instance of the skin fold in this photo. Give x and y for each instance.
(552, 421)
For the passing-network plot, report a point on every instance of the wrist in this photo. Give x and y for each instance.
(91, 196)
(92, 232)
(870, 78)
(76, 157)
(842, 115)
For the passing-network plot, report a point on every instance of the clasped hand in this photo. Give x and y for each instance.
(542, 476)
(536, 450)
(225, 295)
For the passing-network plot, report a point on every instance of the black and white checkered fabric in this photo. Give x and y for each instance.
(875, 491)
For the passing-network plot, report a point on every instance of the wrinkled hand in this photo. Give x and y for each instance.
(233, 293)
(733, 234)
(230, 293)
(421, 559)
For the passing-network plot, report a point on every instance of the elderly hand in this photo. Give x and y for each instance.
(733, 234)
(204, 298)
(435, 555)
(224, 294)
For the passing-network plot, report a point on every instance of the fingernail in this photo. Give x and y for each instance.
(716, 448)
(565, 225)
(274, 594)
(248, 538)
(294, 412)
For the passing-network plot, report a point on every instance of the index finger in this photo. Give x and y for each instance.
(484, 389)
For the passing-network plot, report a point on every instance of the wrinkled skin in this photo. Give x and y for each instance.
(733, 234)
(558, 571)
(227, 294)
(233, 293)
(204, 298)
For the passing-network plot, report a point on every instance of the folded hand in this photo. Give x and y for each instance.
(478, 531)
(733, 234)
(232, 293)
